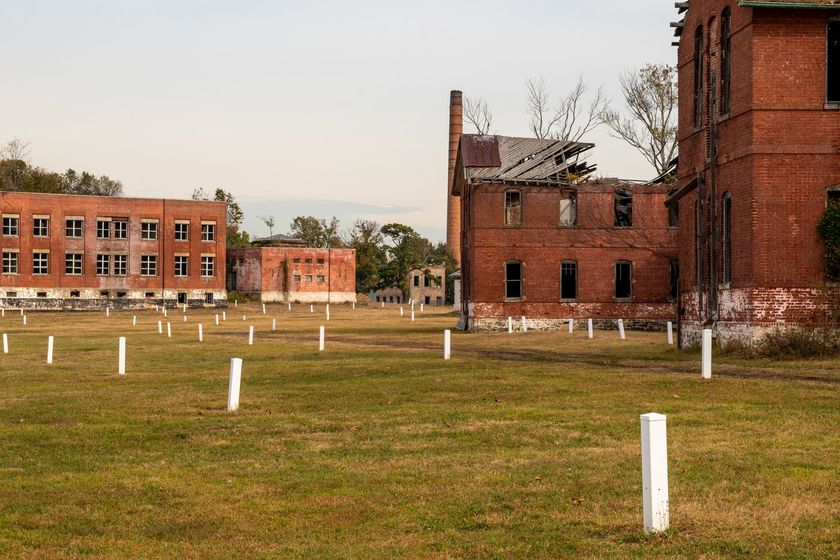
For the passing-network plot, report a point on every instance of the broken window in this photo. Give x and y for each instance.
(623, 280)
(513, 280)
(727, 238)
(673, 279)
(568, 280)
(426, 282)
(568, 209)
(833, 62)
(673, 211)
(182, 297)
(75, 293)
(513, 208)
(698, 77)
(725, 60)
(623, 208)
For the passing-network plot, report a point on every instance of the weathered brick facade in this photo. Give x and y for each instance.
(426, 286)
(750, 256)
(80, 252)
(292, 274)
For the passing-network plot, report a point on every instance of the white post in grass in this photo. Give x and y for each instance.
(273, 325)
(24, 320)
(121, 363)
(160, 327)
(354, 306)
(200, 332)
(621, 329)
(524, 324)
(571, 326)
(5, 343)
(21, 311)
(134, 320)
(164, 312)
(402, 313)
(321, 340)
(168, 330)
(107, 311)
(251, 335)
(447, 344)
(421, 308)
(311, 308)
(670, 333)
(233, 386)
(412, 314)
(3, 312)
(510, 325)
(654, 472)
(290, 307)
(236, 303)
(49, 350)
(382, 304)
(328, 311)
(707, 354)
(224, 315)
(217, 319)
(243, 317)
(263, 305)
(185, 308)
(589, 326)
(185, 318)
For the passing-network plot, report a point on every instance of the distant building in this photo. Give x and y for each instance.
(85, 252)
(280, 269)
(426, 285)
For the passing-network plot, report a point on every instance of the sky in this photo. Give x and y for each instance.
(303, 108)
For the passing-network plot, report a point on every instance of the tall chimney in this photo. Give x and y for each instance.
(453, 203)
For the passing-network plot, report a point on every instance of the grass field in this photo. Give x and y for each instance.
(520, 446)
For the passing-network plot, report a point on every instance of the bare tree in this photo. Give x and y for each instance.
(269, 223)
(571, 118)
(650, 126)
(15, 149)
(478, 114)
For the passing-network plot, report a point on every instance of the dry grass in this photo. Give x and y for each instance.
(521, 446)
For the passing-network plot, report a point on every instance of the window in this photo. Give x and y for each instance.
(416, 281)
(308, 261)
(120, 229)
(73, 263)
(698, 77)
(104, 294)
(725, 60)
(308, 278)
(673, 211)
(41, 227)
(150, 294)
(148, 230)
(208, 297)
(513, 208)
(295, 261)
(426, 281)
(833, 62)
(182, 297)
(623, 208)
(623, 280)
(513, 280)
(832, 195)
(208, 266)
(148, 265)
(10, 262)
(182, 265)
(40, 262)
(727, 238)
(11, 294)
(321, 278)
(11, 225)
(208, 232)
(673, 279)
(74, 227)
(296, 278)
(568, 209)
(75, 293)
(103, 265)
(320, 261)
(120, 265)
(103, 229)
(182, 231)
(568, 280)
(122, 294)
(41, 294)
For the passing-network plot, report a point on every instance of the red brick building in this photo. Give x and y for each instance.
(78, 252)
(537, 243)
(291, 273)
(759, 145)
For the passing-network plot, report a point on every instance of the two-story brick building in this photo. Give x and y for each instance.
(79, 252)
(759, 144)
(426, 285)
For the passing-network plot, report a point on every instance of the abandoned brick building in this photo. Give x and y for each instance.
(759, 143)
(538, 240)
(85, 252)
(426, 286)
(283, 269)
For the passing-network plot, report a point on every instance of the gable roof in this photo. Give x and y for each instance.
(790, 3)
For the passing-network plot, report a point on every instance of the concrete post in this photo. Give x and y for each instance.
(402, 312)
(24, 320)
(383, 304)
(5, 343)
(273, 325)
(168, 330)
(421, 308)
(217, 319)
(447, 344)
(654, 472)
(185, 308)
(311, 308)
(621, 329)
(233, 386)
(160, 327)
(251, 335)
(134, 320)
(236, 303)
(121, 363)
(107, 311)
(589, 327)
(200, 332)
(290, 307)
(670, 333)
(49, 350)
(185, 318)
(321, 339)
(354, 306)
(510, 325)
(263, 307)
(412, 314)
(706, 368)
(164, 312)
(224, 315)
(524, 324)
(328, 311)
(571, 326)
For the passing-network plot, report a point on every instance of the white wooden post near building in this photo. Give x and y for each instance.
(121, 360)
(654, 472)
(233, 386)
(590, 328)
(50, 341)
(447, 344)
(706, 367)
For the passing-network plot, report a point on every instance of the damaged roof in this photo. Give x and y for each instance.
(501, 159)
(790, 3)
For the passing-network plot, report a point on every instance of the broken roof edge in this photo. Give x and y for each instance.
(824, 5)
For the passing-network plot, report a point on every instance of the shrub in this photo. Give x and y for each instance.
(829, 229)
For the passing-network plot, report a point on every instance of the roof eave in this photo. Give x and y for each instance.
(796, 5)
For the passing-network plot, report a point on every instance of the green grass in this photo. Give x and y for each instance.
(521, 446)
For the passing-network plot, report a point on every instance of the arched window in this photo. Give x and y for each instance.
(725, 60)
(513, 280)
(698, 77)
(727, 238)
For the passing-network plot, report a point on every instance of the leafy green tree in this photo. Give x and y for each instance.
(17, 175)
(407, 250)
(316, 232)
(367, 239)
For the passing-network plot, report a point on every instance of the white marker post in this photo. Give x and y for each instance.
(185, 308)
(571, 326)
(510, 325)
(290, 307)
(224, 315)
(263, 305)
(5, 343)
(49, 350)
(382, 305)
(654, 472)
(421, 308)
(200, 332)
(107, 311)
(134, 320)
(412, 314)
(328, 312)
(160, 327)
(354, 306)
(524, 324)
(670, 333)
(621, 329)
(447, 344)
(273, 325)
(706, 368)
(217, 319)
(589, 326)
(164, 312)
(121, 363)
(321, 340)
(233, 386)
(168, 330)
(251, 335)
(185, 318)
(311, 308)
(236, 303)
(24, 320)
(402, 312)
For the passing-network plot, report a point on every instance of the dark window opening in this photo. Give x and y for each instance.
(150, 294)
(416, 281)
(513, 208)
(75, 293)
(182, 297)
(673, 279)
(673, 212)
(727, 238)
(426, 282)
(623, 208)
(568, 280)
(725, 60)
(832, 195)
(41, 294)
(698, 77)
(104, 293)
(427, 300)
(833, 62)
(122, 294)
(513, 280)
(208, 297)
(623, 280)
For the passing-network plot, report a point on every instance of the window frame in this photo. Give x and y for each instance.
(119, 264)
(148, 262)
(572, 196)
(4, 264)
(36, 266)
(208, 232)
(181, 231)
(520, 280)
(149, 233)
(72, 231)
(208, 262)
(616, 196)
(120, 232)
(71, 260)
(574, 263)
(521, 208)
(616, 266)
(725, 62)
(181, 266)
(103, 233)
(100, 258)
(38, 227)
(13, 226)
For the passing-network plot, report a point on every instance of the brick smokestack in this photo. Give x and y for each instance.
(453, 203)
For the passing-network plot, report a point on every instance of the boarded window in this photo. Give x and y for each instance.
(623, 208)
(568, 280)
(673, 279)
(833, 65)
(513, 280)
(623, 280)
(513, 208)
(727, 238)
(568, 209)
(725, 60)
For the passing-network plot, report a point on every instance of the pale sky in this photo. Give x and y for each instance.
(317, 107)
